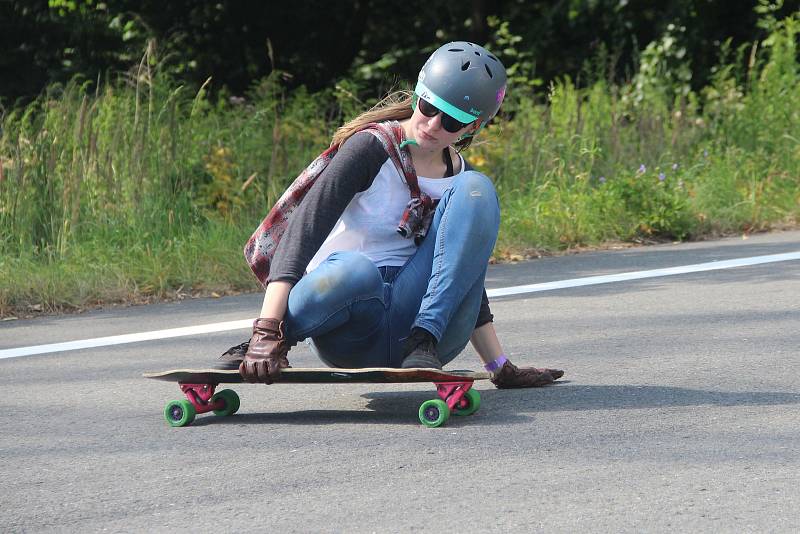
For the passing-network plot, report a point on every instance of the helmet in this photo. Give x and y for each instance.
(464, 80)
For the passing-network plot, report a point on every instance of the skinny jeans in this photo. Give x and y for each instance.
(355, 314)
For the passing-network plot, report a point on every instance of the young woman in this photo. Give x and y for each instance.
(378, 251)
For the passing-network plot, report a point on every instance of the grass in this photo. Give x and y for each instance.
(144, 190)
(201, 262)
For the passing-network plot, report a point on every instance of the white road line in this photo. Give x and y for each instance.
(638, 275)
(126, 338)
(492, 293)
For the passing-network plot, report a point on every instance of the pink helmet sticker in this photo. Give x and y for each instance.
(501, 93)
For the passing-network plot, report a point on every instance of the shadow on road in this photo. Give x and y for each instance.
(315, 417)
(382, 408)
(624, 397)
(509, 405)
(503, 407)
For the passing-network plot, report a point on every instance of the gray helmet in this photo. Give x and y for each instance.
(464, 80)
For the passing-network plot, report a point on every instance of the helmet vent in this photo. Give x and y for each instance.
(492, 57)
(477, 53)
(488, 70)
(455, 49)
(465, 66)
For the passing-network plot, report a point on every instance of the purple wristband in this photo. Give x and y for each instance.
(497, 364)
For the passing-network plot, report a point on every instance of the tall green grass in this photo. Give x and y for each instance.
(143, 189)
(651, 160)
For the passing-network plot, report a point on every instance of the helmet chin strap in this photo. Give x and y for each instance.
(407, 142)
(481, 124)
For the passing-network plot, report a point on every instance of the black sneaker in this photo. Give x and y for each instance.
(232, 357)
(420, 350)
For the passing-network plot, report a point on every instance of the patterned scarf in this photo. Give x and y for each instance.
(261, 246)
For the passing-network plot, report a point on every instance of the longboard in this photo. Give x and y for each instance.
(321, 375)
(198, 385)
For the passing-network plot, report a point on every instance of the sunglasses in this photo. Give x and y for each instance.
(448, 123)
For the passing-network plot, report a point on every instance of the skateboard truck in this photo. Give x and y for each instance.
(457, 398)
(200, 398)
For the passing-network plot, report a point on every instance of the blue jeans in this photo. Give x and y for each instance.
(358, 315)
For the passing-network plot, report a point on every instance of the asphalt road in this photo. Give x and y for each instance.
(679, 412)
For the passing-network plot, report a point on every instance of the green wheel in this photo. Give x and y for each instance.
(468, 404)
(179, 413)
(231, 402)
(434, 413)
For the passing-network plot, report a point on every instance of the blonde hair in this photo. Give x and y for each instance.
(396, 106)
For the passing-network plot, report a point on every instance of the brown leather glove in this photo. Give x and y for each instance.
(511, 376)
(266, 354)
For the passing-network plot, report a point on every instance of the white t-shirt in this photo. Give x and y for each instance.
(369, 222)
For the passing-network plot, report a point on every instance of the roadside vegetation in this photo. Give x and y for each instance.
(142, 189)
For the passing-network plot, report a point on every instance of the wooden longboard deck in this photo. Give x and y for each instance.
(322, 375)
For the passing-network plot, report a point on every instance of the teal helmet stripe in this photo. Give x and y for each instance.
(423, 92)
